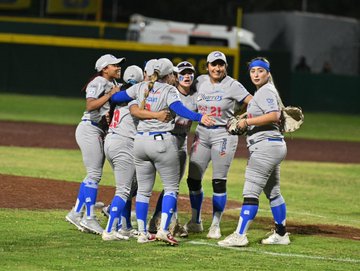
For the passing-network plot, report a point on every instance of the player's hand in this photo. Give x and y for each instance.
(242, 124)
(207, 120)
(114, 90)
(164, 116)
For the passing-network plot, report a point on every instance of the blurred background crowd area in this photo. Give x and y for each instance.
(210, 11)
(314, 46)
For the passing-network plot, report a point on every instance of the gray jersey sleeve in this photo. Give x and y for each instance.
(218, 100)
(133, 91)
(267, 99)
(183, 125)
(95, 89)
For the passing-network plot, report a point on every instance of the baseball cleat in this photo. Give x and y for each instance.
(113, 236)
(75, 218)
(91, 224)
(106, 210)
(146, 237)
(276, 239)
(131, 233)
(214, 232)
(234, 240)
(166, 237)
(194, 227)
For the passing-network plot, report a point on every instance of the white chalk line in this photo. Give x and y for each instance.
(290, 255)
(299, 213)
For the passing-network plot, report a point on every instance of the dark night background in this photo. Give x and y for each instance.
(224, 12)
(208, 11)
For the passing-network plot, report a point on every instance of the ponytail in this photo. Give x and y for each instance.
(153, 78)
(91, 78)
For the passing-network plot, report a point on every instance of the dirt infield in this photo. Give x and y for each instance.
(63, 137)
(31, 193)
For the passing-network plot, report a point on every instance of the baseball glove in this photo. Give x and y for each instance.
(291, 119)
(232, 125)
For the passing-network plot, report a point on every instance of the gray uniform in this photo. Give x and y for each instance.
(182, 128)
(215, 143)
(118, 147)
(89, 135)
(267, 148)
(155, 147)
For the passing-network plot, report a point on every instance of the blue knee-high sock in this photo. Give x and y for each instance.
(278, 209)
(279, 214)
(90, 194)
(247, 215)
(80, 202)
(196, 199)
(142, 207)
(159, 204)
(168, 208)
(219, 202)
(126, 214)
(116, 207)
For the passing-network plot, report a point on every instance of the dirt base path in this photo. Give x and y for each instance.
(63, 136)
(31, 193)
(49, 194)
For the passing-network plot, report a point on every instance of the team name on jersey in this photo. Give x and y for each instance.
(151, 99)
(209, 97)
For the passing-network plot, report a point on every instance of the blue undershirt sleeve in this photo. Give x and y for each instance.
(121, 97)
(182, 111)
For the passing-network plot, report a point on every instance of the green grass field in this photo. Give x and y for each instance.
(316, 193)
(57, 110)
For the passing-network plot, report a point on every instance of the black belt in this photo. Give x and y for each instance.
(269, 127)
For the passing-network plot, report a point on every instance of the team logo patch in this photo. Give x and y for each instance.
(91, 90)
(223, 147)
(270, 101)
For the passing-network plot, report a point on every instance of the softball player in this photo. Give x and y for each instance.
(155, 147)
(90, 135)
(184, 78)
(118, 149)
(217, 96)
(267, 149)
(135, 111)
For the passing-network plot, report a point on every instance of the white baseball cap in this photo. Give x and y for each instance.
(149, 67)
(164, 67)
(216, 55)
(105, 60)
(133, 74)
(184, 65)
